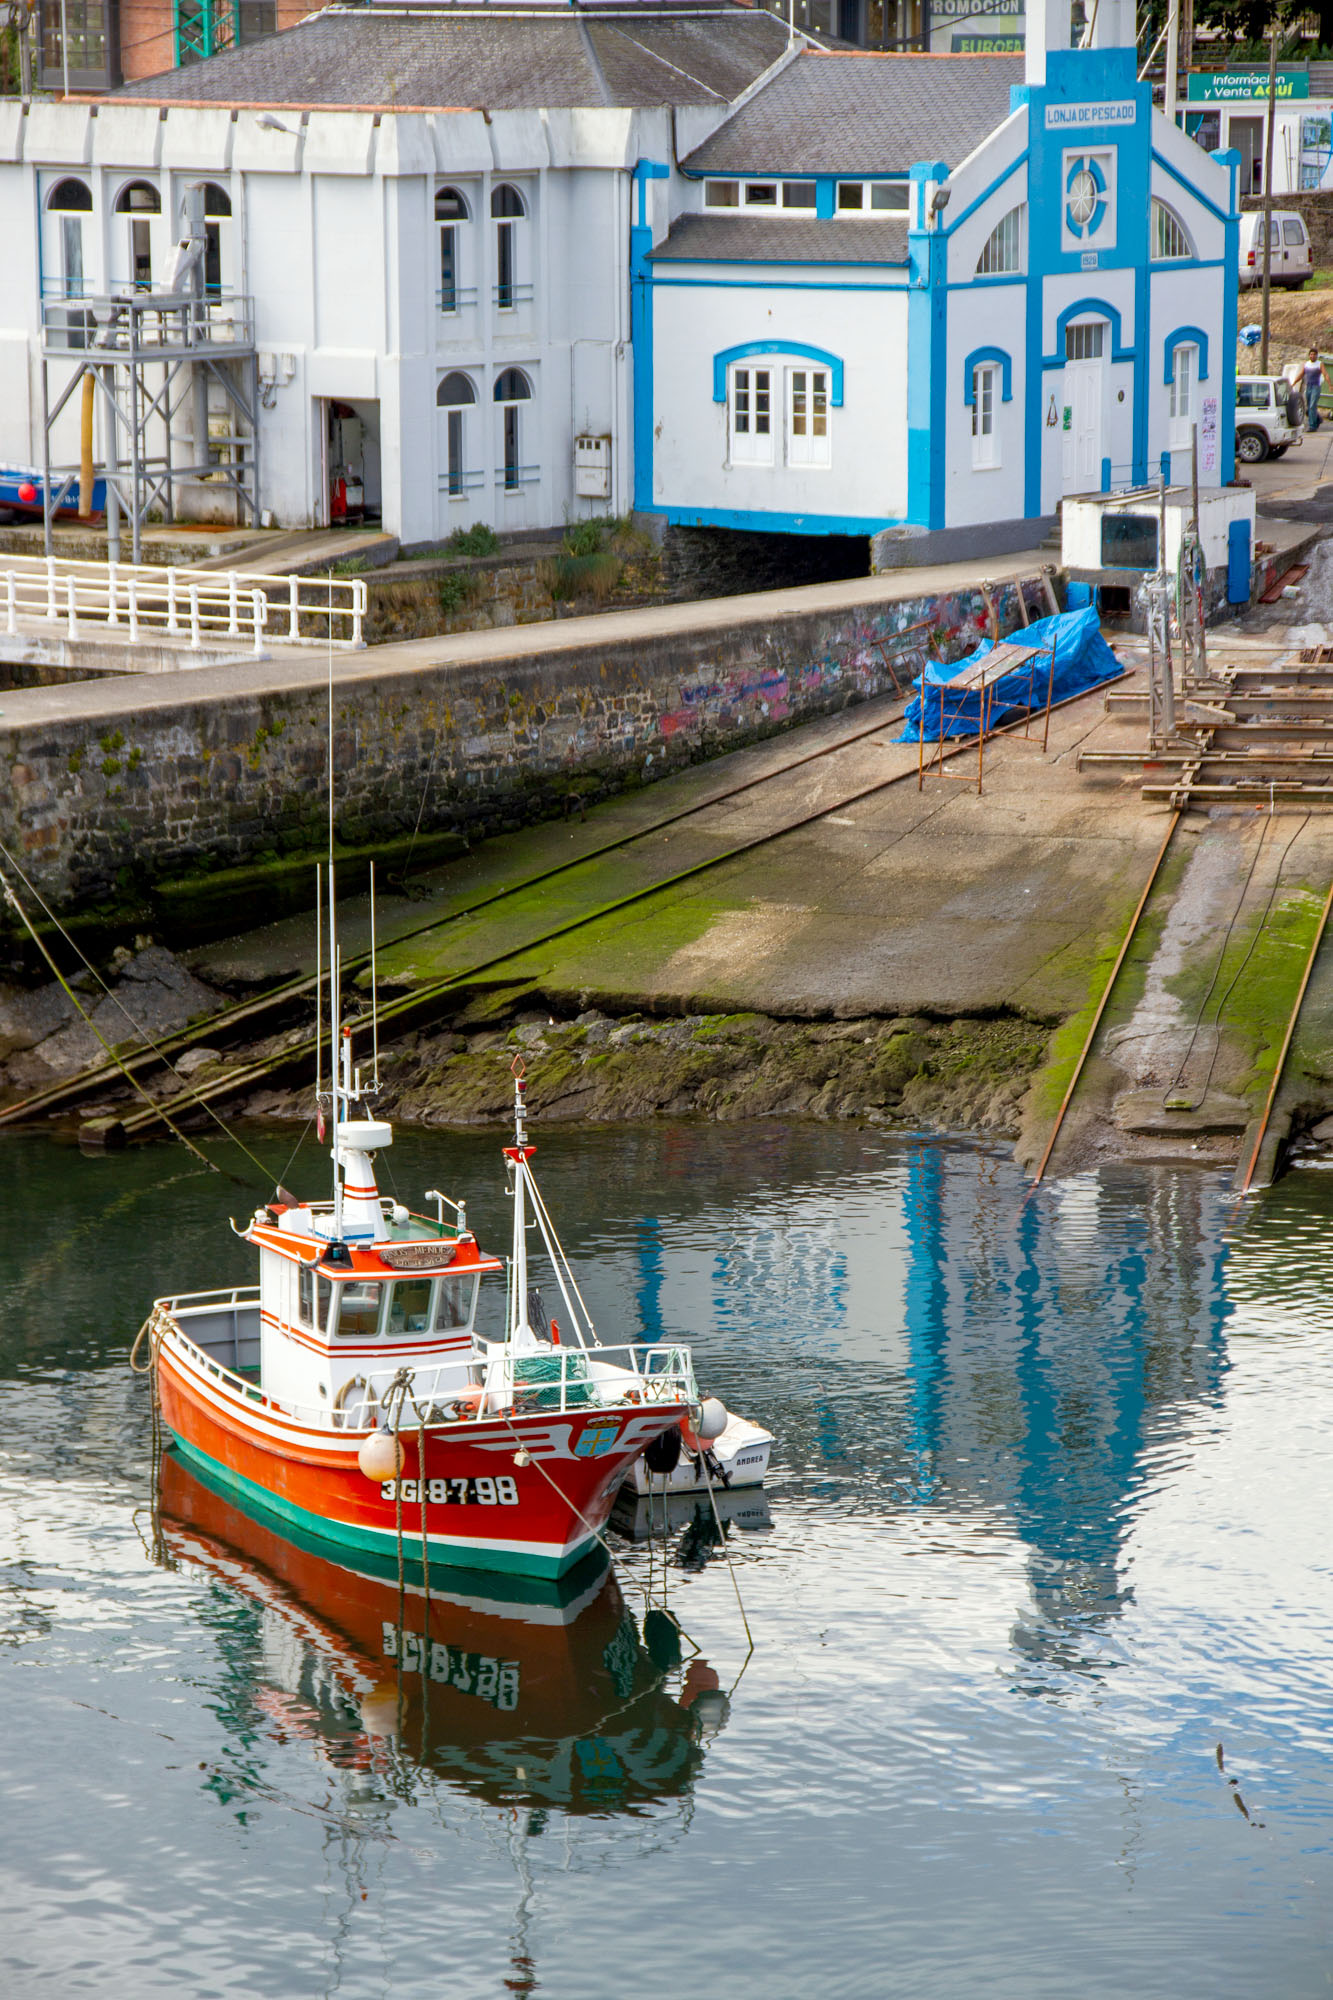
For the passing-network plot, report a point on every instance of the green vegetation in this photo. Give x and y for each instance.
(598, 558)
(456, 590)
(478, 540)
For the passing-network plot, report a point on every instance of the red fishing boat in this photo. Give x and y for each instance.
(349, 1397)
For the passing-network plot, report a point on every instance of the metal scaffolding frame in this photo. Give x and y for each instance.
(152, 357)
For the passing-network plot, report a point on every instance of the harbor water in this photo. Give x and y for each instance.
(1040, 1595)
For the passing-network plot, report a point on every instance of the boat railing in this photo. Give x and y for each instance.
(574, 1378)
(224, 1295)
(470, 1387)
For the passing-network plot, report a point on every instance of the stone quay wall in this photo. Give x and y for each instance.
(109, 791)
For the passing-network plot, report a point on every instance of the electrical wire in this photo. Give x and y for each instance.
(144, 1037)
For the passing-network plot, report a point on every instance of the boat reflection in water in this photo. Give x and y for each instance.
(524, 1692)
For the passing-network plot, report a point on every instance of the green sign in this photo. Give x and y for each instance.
(1232, 86)
(987, 45)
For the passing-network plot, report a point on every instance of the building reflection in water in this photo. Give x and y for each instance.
(930, 1334)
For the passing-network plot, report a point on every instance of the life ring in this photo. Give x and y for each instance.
(340, 1400)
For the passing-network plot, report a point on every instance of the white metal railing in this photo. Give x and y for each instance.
(184, 603)
(448, 1391)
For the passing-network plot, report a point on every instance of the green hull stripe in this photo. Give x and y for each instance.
(375, 1541)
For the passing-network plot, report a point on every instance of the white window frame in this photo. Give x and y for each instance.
(868, 200)
(1081, 334)
(986, 394)
(809, 405)
(750, 405)
(1004, 253)
(1182, 394)
(725, 195)
(766, 195)
(1170, 239)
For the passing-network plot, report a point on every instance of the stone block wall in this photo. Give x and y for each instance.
(220, 770)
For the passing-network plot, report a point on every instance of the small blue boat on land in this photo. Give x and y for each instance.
(21, 492)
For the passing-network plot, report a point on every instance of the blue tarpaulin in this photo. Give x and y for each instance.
(1082, 661)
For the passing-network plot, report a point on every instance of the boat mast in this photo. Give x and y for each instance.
(518, 1270)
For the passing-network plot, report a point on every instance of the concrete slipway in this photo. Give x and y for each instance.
(931, 955)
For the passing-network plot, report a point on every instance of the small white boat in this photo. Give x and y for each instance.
(736, 1457)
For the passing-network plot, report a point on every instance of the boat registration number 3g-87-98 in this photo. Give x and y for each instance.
(455, 1492)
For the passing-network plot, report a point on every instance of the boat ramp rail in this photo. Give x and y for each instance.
(134, 599)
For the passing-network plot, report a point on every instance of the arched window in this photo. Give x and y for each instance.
(70, 197)
(507, 208)
(456, 392)
(216, 200)
(451, 210)
(138, 200)
(71, 200)
(1170, 238)
(1003, 252)
(512, 389)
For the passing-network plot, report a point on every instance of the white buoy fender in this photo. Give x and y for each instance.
(714, 1419)
(380, 1457)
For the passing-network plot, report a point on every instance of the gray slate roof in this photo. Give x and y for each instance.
(717, 239)
(428, 57)
(863, 114)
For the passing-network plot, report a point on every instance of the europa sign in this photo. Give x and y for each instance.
(1233, 86)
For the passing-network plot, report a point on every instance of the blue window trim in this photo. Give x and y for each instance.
(1104, 310)
(977, 359)
(1185, 336)
(723, 361)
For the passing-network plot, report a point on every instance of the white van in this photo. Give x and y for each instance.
(1292, 259)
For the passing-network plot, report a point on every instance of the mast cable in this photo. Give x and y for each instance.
(144, 1036)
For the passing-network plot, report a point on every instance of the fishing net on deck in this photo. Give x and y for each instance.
(537, 1379)
(1082, 661)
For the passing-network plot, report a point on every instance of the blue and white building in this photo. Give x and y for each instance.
(921, 299)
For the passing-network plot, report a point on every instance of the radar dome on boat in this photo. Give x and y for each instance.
(365, 1135)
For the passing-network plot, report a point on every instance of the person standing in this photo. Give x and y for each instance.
(1314, 379)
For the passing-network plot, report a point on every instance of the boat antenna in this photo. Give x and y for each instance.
(319, 996)
(335, 961)
(517, 1155)
(374, 996)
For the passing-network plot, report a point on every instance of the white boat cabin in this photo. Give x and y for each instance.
(341, 1307)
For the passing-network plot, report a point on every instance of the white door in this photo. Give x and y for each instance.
(1083, 426)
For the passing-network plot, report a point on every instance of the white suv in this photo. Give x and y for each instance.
(1267, 417)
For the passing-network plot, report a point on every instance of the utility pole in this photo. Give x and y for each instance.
(1268, 193)
(1172, 85)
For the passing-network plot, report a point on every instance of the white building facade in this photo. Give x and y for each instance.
(838, 336)
(733, 280)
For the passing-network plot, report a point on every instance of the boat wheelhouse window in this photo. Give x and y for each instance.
(359, 1309)
(408, 1307)
(313, 1295)
(453, 1303)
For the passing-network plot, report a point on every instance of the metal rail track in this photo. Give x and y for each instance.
(1091, 1037)
(278, 1000)
(1245, 1176)
(426, 1003)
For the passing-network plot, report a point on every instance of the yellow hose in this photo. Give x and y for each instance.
(86, 449)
